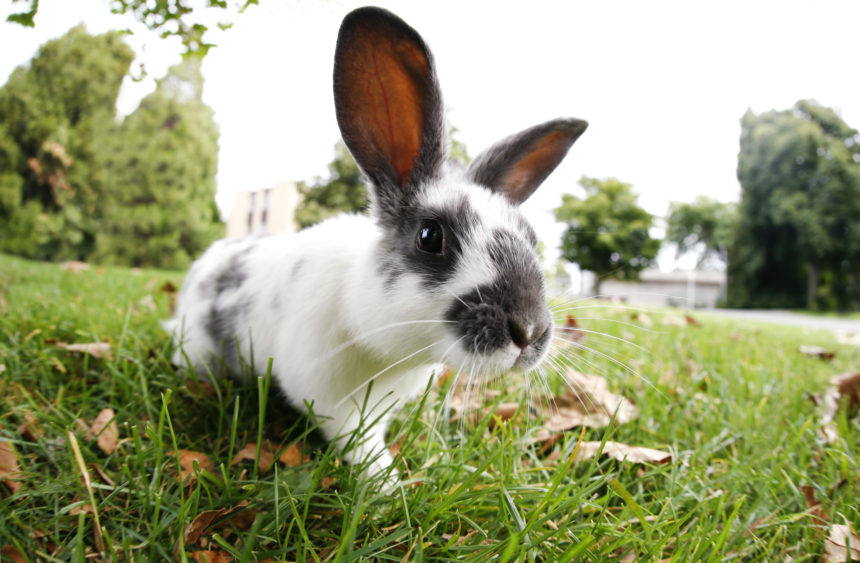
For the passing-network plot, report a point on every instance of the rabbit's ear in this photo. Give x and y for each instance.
(517, 165)
(388, 103)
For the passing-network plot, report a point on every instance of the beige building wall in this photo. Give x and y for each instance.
(264, 212)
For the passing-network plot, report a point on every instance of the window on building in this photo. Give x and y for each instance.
(251, 201)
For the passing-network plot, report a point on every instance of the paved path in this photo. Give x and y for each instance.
(789, 318)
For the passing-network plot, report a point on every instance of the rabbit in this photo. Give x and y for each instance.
(359, 312)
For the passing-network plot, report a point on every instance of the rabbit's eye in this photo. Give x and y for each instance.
(431, 237)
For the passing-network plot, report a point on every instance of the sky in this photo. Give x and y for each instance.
(662, 84)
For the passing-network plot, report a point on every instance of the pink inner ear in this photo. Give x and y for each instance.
(387, 98)
(536, 165)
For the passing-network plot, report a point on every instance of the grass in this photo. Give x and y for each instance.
(730, 401)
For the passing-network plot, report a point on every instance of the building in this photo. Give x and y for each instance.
(264, 212)
(691, 289)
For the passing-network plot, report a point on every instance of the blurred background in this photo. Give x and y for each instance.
(720, 166)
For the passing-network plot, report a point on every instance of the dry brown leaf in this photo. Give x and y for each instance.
(506, 411)
(847, 338)
(238, 516)
(13, 554)
(836, 548)
(846, 385)
(74, 267)
(817, 352)
(99, 350)
(569, 334)
(211, 556)
(249, 452)
(813, 506)
(186, 464)
(587, 402)
(673, 320)
(690, 320)
(30, 428)
(105, 428)
(9, 468)
(167, 287)
(292, 456)
(622, 452)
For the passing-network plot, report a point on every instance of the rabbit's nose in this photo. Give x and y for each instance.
(524, 334)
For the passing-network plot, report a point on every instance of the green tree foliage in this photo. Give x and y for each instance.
(796, 242)
(171, 18)
(705, 226)
(342, 192)
(51, 114)
(76, 184)
(607, 232)
(163, 162)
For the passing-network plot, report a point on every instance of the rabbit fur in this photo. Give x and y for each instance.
(364, 309)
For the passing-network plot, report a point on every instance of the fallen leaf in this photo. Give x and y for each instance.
(104, 427)
(30, 428)
(836, 544)
(848, 338)
(622, 452)
(673, 320)
(239, 516)
(74, 267)
(641, 318)
(813, 505)
(506, 411)
(167, 287)
(13, 554)
(147, 302)
(100, 350)
(211, 556)
(586, 402)
(292, 456)
(9, 468)
(846, 385)
(186, 464)
(817, 352)
(569, 334)
(249, 452)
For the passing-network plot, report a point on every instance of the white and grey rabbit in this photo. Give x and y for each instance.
(443, 271)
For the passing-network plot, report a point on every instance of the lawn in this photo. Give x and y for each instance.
(194, 471)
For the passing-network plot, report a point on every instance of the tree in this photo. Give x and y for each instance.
(705, 226)
(162, 162)
(52, 112)
(171, 18)
(607, 232)
(799, 171)
(342, 192)
(75, 184)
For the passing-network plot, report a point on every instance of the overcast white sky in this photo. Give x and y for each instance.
(663, 84)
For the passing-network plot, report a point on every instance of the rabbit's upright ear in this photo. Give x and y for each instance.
(388, 103)
(517, 165)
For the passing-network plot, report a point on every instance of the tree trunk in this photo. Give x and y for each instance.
(812, 276)
(853, 294)
(598, 281)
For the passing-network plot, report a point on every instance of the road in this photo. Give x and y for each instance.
(789, 318)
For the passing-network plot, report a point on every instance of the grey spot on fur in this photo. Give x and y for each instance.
(296, 269)
(221, 322)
